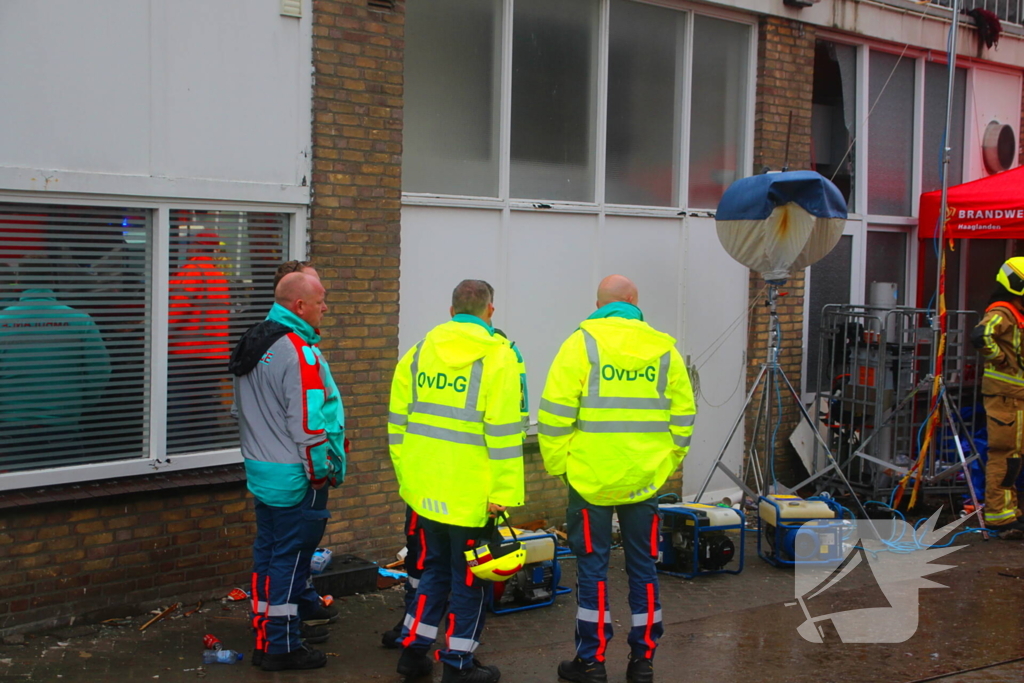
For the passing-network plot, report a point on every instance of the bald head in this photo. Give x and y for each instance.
(617, 288)
(303, 295)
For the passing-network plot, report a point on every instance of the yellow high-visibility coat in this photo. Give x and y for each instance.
(454, 428)
(617, 411)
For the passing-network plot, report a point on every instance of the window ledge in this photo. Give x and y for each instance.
(45, 495)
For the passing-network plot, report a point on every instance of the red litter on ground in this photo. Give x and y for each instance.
(211, 642)
(237, 594)
(327, 600)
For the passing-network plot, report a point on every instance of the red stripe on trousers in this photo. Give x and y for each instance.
(421, 601)
(586, 531)
(423, 549)
(266, 614)
(602, 642)
(412, 524)
(451, 630)
(650, 621)
(654, 535)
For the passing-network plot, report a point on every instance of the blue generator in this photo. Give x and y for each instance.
(791, 531)
(536, 584)
(699, 539)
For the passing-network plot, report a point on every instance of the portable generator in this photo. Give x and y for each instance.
(699, 539)
(791, 531)
(536, 584)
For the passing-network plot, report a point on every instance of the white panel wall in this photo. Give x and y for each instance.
(167, 88)
(545, 268)
(440, 248)
(992, 96)
(716, 300)
(550, 286)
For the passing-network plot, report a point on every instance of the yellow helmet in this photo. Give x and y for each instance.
(1011, 275)
(494, 558)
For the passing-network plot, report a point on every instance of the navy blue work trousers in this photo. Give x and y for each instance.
(590, 537)
(285, 540)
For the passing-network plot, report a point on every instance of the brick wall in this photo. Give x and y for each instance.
(785, 83)
(98, 559)
(354, 240)
(112, 555)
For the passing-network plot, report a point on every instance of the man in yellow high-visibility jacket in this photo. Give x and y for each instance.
(455, 434)
(615, 421)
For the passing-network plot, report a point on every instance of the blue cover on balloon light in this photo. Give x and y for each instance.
(755, 198)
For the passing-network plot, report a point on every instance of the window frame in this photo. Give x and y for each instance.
(505, 202)
(156, 459)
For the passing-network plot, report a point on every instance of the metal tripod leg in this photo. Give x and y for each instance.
(828, 452)
(717, 464)
(963, 463)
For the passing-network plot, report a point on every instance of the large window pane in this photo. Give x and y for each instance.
(890, 134)
(222, 282)
(452, 72)
(834, 114)
(74, 335)
(936, 85)
(983, 260)
(644, 84)
(953, 298)
(886, 262)
(718, 107)
(554, 86)
(830, 284)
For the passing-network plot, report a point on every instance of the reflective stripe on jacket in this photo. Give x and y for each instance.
(454, 428)
(998, 336)
(617, 411)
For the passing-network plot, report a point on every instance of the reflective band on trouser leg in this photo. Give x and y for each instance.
(413, 623)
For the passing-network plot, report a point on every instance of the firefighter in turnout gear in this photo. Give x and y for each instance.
(455, 435)
(999, 338)
(615, 422)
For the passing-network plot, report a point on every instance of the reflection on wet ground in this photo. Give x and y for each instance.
(720, 628)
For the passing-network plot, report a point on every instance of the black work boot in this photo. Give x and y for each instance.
(303, 658)
(1013, 531)
(257, 657)
(478, 673)
(640, 670)
(392, 639)
(414, 664)
(315, 634)
(580, 671)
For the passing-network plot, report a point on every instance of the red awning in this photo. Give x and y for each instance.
(990, 208)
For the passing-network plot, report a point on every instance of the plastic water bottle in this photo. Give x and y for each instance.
(221, 657)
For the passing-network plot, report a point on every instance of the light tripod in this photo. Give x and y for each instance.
(770, 380)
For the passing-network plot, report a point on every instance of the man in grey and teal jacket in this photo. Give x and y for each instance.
(292, 429)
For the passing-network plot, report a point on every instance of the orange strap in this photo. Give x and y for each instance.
(1018, 316)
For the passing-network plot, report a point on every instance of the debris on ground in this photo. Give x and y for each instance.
(160, 615)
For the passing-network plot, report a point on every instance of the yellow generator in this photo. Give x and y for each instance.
(791, 531)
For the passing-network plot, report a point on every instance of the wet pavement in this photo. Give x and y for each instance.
(719, 628)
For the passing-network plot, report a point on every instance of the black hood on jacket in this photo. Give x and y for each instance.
(253, 344)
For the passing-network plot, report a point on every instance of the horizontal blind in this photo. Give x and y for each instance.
(222, 266)
(75, 334)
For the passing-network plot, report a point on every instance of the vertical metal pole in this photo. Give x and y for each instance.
(951, 81)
